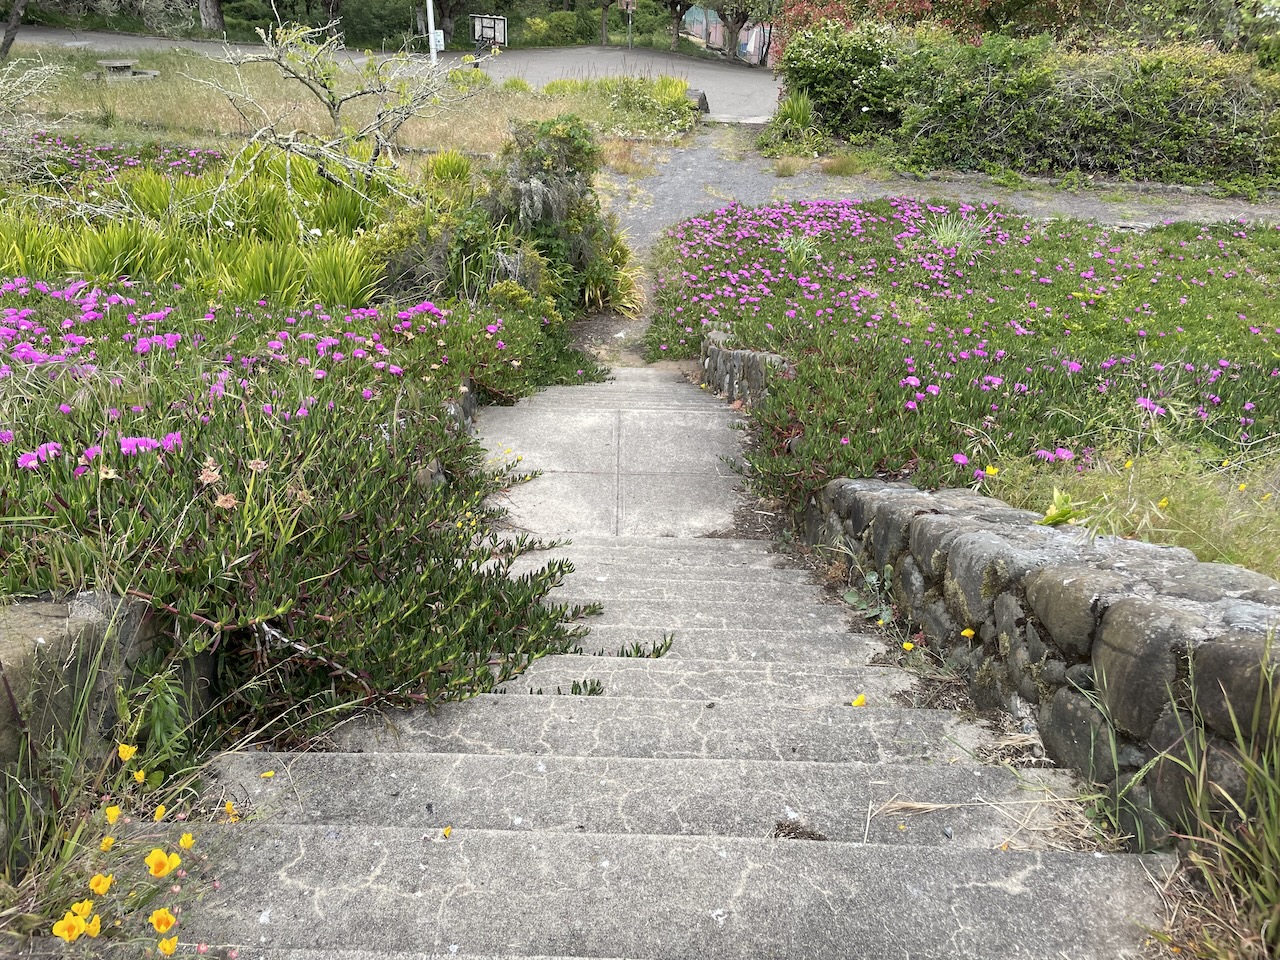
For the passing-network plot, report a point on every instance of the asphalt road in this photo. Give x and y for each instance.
(735, 92)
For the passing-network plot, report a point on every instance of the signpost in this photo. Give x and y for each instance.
(629, 6)
(431, 30)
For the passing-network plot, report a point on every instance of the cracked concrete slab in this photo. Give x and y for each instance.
(664, 897)
(597, 727)
(664, 678)
(959, 803)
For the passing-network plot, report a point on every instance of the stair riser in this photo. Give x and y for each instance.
(843, 802)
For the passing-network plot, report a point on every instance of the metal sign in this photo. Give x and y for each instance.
(488, 30)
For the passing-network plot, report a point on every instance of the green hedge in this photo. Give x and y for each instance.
(1173, 113)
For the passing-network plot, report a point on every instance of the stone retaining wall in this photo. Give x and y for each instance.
(736, 374)
(1101, 644)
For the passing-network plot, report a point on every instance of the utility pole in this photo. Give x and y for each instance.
(431, 29)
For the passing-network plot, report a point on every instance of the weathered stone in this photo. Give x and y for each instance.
(1009, 616)
(935, 620)
(1207, 582)
(1227, 680)
(1138, 658)
(839, 494)
(979, 566)
(990, 639)
(1035, 646)
(1131, 805)
(1054, 674)
(52, 651)
(1140, 559)
(1245, 615)
(963, 500)
(890, 526)
(909, 585)
(1020, 673)
(1070, 601)
(930, 536)
(1081, 676)
(996, 512)
(1076, 735)
(1184, 752)
(990, 689)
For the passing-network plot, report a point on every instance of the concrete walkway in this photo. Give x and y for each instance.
(736, 92)
(723, 800)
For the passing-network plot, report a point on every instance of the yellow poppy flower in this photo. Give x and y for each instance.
(93, 927)
(967, 633)
(167, 947)
(113, 814)
(107, 843)
(125, 752)
(83, 908)
(100, 884)
(859, 701)
(908, 646)
(69, 927)
(162, 920)
(140, 776)
(159, 814)
(161, 864)
(187, 841)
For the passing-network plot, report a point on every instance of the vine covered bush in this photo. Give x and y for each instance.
(1177, 113)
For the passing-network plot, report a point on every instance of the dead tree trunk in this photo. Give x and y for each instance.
(11, 28)
(604, 22)
(211, 16)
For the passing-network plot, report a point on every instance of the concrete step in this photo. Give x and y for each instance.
(649, 375)
(699, 548)
(956, 804)
(588, 570)
(667, 678)
(612, 590)
(619, 399)
(329, 888)
(677, 615)
(752, 646)
(679, 729)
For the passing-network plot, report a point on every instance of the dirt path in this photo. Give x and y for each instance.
(721, 166)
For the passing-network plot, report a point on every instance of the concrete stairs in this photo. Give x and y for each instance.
(723, 800)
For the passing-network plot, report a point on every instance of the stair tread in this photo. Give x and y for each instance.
(598, 726)
(486, 892)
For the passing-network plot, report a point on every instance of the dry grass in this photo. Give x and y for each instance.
(180, 105)
(789, 166)
(856, 162)
(628, 158)
(1170, 495)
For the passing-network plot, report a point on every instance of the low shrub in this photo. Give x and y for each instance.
(1178, 112)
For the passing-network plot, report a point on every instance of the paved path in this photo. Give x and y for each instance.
(735, 92)
(720, 166)
(724, 800)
